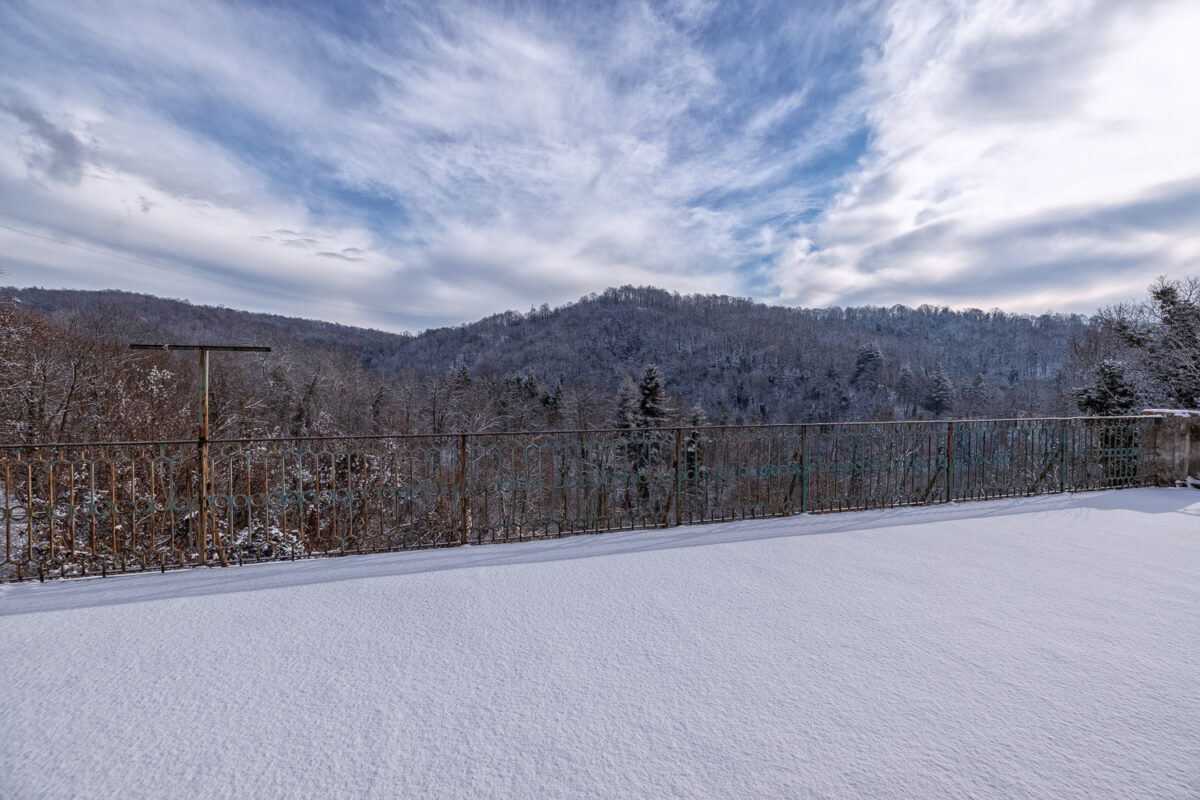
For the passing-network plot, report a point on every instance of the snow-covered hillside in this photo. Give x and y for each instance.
(1042, 648)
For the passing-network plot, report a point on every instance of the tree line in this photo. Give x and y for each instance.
(1143, 354)
(627, 357)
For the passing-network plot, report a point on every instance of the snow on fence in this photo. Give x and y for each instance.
(72, 510)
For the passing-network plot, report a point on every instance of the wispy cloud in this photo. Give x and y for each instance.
(406, 165)
(1028, 155)
(48, 151)
(459, 159)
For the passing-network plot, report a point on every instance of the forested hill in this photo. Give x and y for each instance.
(159, 320)
(735, 356)
(730, 358)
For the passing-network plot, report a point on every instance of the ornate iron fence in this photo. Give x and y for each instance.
(71, 510)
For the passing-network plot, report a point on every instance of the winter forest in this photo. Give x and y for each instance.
(628, 357)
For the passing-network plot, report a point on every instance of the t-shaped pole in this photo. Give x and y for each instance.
(202, 436)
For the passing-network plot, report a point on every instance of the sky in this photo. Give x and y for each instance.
(403, 166)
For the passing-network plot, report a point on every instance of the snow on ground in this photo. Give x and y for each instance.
(1041, 648)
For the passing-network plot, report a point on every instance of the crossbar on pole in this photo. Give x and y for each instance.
(221, 347)
(205, 488)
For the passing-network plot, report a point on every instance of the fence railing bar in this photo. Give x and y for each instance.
(554, 432)
(78, 509)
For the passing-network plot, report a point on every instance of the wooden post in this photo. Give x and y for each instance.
(462, 482)
(205, 489)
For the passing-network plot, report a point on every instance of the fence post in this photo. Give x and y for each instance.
(202, 446)
(949, 461)
(1062, 456)
(462, 482)
(803, 469)
(679, 477)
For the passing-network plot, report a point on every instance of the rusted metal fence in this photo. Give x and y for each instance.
(71, 510)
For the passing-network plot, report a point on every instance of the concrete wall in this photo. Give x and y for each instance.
(1177, 446)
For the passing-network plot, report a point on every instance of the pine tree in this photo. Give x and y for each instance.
(552, 403)
(1176, 346)
(907, 392)
(978, 393)
(530, 385)
(1111, 393)
(941, 393)
(628, 415)
(1154, 347)
(302, 420)
(652, 397)
(461, 378)
(868, 363)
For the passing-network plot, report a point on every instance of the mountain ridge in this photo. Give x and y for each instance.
(729, 359)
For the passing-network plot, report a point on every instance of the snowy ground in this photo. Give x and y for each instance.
(1040, 648)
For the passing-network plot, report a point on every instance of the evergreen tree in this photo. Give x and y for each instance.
(302, 419)
(1175, 350)
(868, 363)
(461, 378)
(1153, 347)
(530, 385)
(628, 415)
(552, 402)
(978, 393)
(1111, 393)
(941, 393)
(652, 398)
(907, 392)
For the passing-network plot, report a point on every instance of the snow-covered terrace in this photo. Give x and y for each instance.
(1042, 648)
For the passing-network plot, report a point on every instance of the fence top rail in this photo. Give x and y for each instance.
(140, 443)
(225, 348)
(663, 429)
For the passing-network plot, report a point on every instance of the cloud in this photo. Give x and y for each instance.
(1013, 145)
(48, 150)
(514, 157)
(347, 254)
(445, 161)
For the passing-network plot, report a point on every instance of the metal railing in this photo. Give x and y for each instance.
(72, 510)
